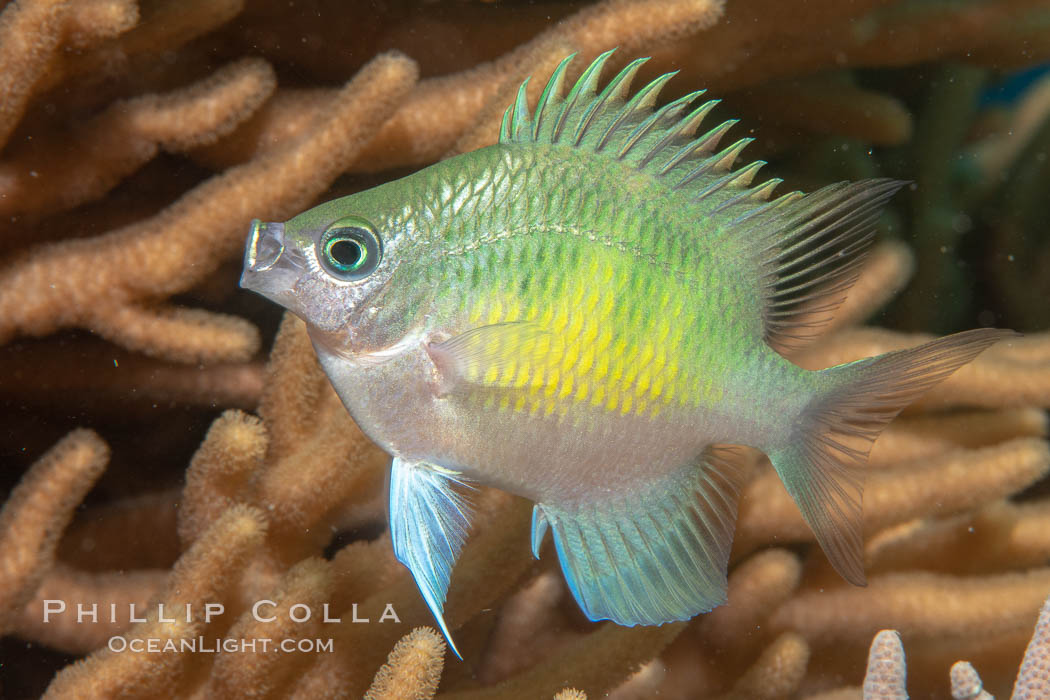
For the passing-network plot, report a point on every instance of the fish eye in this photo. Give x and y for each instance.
(350, 249)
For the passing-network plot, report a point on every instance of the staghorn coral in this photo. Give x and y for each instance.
(886, 675)
(139, 245)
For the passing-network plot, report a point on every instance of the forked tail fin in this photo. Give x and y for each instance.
(822, 466)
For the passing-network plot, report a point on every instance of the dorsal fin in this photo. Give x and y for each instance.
(806, 249)
(627, 128)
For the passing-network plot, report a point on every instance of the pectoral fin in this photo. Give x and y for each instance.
(499, 354)
(428, 525)
(649, 556)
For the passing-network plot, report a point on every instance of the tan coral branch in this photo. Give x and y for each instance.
(37, 512)
(1011, 373)
(570, 694)
(205, 573)
(414, 137)
(924, 436)
(413, 668)
(90, 21)
(95, 283)
(777, 673)
(30, 34)
(1001, 536)
(112, 379)
(919, 604)
(305, 588)
(128, 591)
(220, 471)
(756, 587)
(163, 26)
(177, 334)
(948, 483)
(60, 172)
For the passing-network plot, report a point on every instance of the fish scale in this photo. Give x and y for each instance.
(589, 314)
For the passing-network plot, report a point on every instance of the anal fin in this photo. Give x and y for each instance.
(649, 556)
(428, 525)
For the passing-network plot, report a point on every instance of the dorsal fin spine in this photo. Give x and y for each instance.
(728, 156)
(551, 92)
(521, 110)
(644, 98)
(504, 127)
(714, 187)
(716, 163)
(709, 141)
(758, 193)
(684, 126)
(761, 192)
(687, 126)
(613, 91)
(746, 174)
(646, 126)
(583, 86)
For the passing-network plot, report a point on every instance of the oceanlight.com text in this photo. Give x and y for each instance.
(201, 645)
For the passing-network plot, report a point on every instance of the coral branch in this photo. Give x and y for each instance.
(180, 335)
(777, 673)
(922, 436)
(164, 26)
(1001, 536)
(1033, 678)
(966, 684)
(413, 668)
(601, 659)
(99, 538)
(294, 386)
(30, 33)
(919, 604)
(96, 592)
(37, 512)
(887, 674)
(214, 560)
(570, 694)
(949, 483)
(97, 283)
(1011, 373)
(107, 674)
(756, 588)
(265, 670)
(90, 21)
(51, 373)
(413, 136)
(220, 471)
(61, 172)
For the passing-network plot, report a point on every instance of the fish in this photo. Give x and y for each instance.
(591, 313)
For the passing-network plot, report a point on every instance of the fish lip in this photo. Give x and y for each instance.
(270, 267)
(265, 246)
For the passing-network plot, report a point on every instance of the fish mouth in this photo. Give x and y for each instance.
(269, 269)
(265, 246)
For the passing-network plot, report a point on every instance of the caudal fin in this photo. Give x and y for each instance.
(822, 467)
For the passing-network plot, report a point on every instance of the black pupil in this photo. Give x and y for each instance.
(347, 253)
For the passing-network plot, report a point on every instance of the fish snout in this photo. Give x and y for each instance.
(265, 246)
